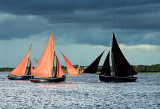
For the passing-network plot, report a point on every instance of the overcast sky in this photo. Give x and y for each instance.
(82, 29)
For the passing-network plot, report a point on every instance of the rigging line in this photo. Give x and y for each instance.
(32, 57)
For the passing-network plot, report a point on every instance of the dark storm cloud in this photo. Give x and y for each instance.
(89, 11)
(40, 6)
(12, 26)
(86, 21)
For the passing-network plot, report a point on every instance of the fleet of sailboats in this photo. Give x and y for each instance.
(43, 72)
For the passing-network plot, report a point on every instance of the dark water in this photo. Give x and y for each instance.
(81, 92)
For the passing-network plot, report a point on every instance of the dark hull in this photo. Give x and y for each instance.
(116, 79)
(48, 80)
(23, 77)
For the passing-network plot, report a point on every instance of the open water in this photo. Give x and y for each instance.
(81, 92)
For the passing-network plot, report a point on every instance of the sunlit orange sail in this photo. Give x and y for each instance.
(59, 71)
(44, 68)
(21, 67)
(70, 69)
(78, 67)
(30, 70)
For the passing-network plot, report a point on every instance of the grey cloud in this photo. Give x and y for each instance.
(83, 21)
(21, 26)
(42, 7)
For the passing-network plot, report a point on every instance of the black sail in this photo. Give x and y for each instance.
(120, 65)
(94, 66)
(106, 66)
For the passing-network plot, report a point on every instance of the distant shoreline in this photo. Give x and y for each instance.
(98, 72)
(65, 71)
(138, 68)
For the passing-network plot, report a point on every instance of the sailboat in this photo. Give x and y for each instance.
(122, 70)
(44, 68)
(19, 73)
(70, 69)
(92, 68)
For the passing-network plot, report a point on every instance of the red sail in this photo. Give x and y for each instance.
(30, 70)
(21, 67)
(70, 69)
(78, 67)
(44, 68)
(59, 71)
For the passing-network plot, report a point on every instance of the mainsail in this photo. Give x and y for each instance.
(70, 69)
(30, 70)
(44, 67)
(94, 66)
(59, 71)
(106, 66)
(21, 67)
(120, 65)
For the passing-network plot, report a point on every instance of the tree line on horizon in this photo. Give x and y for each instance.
(137, 68)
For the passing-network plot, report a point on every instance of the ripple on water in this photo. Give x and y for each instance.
(83, 91)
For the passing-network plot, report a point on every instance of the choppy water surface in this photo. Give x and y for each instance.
(81, 92)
